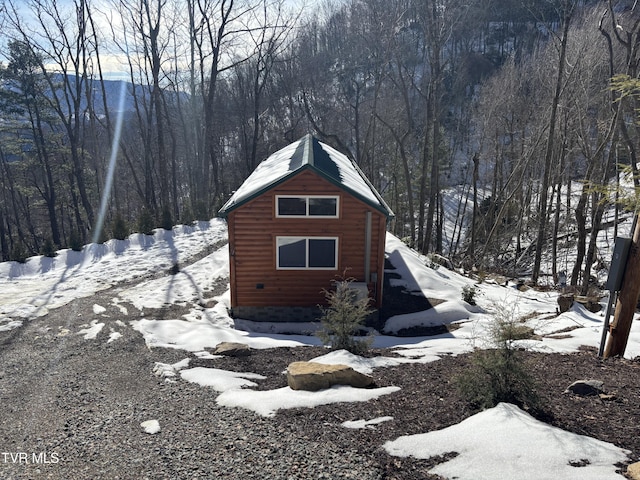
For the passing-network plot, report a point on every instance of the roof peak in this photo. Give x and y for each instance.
(307, 152)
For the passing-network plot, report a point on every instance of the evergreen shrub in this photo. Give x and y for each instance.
(145, 222)
(167, 220)
(119, 228)
(499, 373)
(19, 253)
(48, 248)
(343, 318)
(75, 241)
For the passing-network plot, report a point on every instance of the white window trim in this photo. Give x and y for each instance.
(306, 239)
(307, 197)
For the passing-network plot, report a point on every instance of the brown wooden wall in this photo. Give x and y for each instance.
(253, 229)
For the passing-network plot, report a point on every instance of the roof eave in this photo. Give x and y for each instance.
(230, 206)
(382, 207)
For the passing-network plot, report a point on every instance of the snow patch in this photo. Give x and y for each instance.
(7, 324)
(151, 426)
(358, 363)
(267, 403)
(505, 442)
(198, 335)
(98, 309)
(92, 330)
(113, 336)
(167, 370)
(366, 424)
(220, 380)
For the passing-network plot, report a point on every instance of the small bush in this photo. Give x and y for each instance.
(201, 211)
(145, 222)
(408, 241)
(469, 293)
(187, 217)
(499, 374)
(495, 376)
(343, 318)
(19, 253)
(167, 220)
(75, 241)
(48, 248)
(119, 228)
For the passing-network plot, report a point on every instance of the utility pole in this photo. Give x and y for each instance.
(627, 300)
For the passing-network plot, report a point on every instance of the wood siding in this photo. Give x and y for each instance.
(253, 229)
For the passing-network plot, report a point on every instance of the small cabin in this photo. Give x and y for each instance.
(306, 217)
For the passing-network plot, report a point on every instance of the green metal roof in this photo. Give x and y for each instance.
(307, 153)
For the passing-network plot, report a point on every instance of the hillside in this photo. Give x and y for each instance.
(105, 339)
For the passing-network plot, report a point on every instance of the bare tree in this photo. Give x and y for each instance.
(566, 15)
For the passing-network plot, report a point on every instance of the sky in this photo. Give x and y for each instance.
(109, 21)
(30, 290)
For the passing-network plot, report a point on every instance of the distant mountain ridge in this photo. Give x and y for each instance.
(112, 90)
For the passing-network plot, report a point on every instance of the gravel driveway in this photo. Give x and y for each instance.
(72, 409)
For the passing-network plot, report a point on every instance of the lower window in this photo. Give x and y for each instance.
(320, 253)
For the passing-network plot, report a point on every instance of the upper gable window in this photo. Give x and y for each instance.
(307, 206)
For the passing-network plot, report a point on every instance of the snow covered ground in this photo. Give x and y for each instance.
(32, 289)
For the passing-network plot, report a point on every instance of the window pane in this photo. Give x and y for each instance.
(292, 206)
(322, 253)
(323, 207)
(291, 252)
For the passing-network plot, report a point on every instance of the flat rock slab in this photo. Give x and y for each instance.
(232, 349)
(314, 376)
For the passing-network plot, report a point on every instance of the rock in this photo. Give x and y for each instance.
(633, 471)
(593, 305)
(586, 388)
(441, 260)
(607, 397)
(232, 349)
(314, 376)
(208, 303)
(565, 302)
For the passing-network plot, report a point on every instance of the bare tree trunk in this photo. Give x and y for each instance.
(408, 179)
(556, 229)
(474, 214)
(422, 195)
(556, 216)
(548, 157)
(581, 225)
(154, 58)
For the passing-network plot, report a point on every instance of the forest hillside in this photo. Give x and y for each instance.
(526, 109)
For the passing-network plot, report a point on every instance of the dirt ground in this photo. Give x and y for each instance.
(429, 400)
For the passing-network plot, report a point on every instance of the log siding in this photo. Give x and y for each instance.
(254, 227)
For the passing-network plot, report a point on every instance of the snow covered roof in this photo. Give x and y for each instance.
(307, 153)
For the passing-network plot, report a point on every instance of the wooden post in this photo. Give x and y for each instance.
(627, 301)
